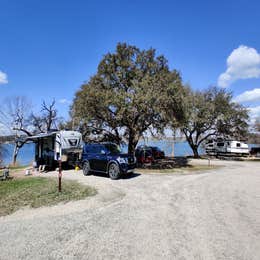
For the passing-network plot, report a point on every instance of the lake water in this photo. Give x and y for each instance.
(26, 153)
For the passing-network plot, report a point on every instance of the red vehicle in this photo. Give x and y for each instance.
(144, 155)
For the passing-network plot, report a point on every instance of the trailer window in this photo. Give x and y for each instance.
(220, 144)
(238, 144)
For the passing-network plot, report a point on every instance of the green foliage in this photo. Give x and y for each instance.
(211, 112)
(254, 138)
(132, 91)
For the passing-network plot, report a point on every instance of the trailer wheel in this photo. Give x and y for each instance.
(86, 168)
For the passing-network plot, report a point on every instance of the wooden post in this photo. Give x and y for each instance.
(60, 175)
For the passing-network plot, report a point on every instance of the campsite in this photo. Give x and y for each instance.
(130, 130)
(181, 214)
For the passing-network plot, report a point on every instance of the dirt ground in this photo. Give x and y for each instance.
(210, 214)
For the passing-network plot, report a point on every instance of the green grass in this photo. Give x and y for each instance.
(35, 192)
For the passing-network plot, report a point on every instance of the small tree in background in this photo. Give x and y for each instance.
(212, 113)
(133, 91)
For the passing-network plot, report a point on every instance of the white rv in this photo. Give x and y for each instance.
(58, 145)
(227, 147)
(232, 147)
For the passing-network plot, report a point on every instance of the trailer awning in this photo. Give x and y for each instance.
(39, 136)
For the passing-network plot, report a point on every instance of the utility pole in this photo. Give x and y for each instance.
(60, 168)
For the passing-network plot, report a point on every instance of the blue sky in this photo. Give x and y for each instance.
(49, 48)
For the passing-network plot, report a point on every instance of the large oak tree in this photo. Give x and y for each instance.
(133, 91)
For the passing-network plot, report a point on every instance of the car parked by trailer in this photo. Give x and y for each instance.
(106, 158)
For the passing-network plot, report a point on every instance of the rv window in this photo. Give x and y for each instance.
(220, 144)
(73, 142)
(238, 144)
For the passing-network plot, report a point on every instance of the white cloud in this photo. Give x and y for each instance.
(250, 95)
(254, 112)
(3, 78)
(242, 63)
(64, 101)
(4, 130)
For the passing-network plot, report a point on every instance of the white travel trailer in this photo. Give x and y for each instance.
(58, 145)
(227, 147)
(232, 147)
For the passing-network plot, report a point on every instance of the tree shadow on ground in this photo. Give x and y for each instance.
(167, 163)
(131, 176)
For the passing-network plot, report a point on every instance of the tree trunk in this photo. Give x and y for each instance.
(17, 147)
(15, 153)
(195, 151)
(132, 142)
(193, 146)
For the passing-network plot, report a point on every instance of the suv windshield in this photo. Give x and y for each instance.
(156, 148)
(112, 148)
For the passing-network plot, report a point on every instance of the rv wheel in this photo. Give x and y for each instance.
(86, 168)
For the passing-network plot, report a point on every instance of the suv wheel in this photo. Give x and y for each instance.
(113, 171)
(86, 168)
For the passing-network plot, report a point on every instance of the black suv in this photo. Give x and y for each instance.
(106, 157)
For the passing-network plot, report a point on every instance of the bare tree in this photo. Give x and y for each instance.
(21, 121)
(14, 114)
(47, 120)
(49, 115)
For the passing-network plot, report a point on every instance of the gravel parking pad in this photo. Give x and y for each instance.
(214, 215)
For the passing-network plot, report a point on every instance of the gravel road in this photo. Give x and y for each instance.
(211, 215)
